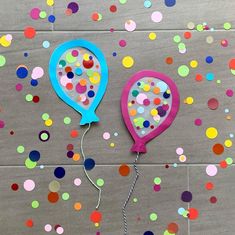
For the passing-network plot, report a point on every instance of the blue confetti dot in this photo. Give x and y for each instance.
(114, 54)
(46, 44)
(148, 233)
(170, 3)
(34, 82)
(147, 4)
(22, 72)
(166, 95)
(91, 94)
(89, 164)
(51, 18)
(78, 71)
(59, 172)
(34, 156)
(146, 124)
(209, 59)
(70, 75)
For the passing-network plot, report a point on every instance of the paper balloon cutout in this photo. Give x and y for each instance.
(79, 75)
(149, 104)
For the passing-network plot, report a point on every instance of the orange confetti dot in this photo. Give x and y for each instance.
(124, 170)
(83, 82)
(68, 69)
(53, 197)
(69, 86)
(156, 90)
(218, 149)
(169, 60)
(29, 32)
(76, 157)
(74, 133)
(95, 16)
(173, 228)
(133, 112)
(77, 206)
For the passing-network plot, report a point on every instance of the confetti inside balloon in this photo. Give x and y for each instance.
(79, 76)
(149, 103)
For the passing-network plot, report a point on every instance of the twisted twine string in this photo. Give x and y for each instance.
(85, 171)
(129, 195)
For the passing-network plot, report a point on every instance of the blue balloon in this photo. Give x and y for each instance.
(88, 114)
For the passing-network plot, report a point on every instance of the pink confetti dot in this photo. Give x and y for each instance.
(229, 93)
(34, 13)
(130, 25)
(2, 124)
(211, 170)
(157, 187)
(29, 185)
(122, 43)
(198, 122)
(19, 87)
(106, 135)
(179, 151)
(156, 16)
(48, 228)
(77, 182)
(60, 230)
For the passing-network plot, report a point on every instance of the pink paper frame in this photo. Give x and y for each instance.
(140, 142)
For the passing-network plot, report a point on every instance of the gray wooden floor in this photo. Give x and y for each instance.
(24, 118)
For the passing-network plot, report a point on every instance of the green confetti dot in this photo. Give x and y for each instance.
(123, 1)
(2, 60)
(43, 14)
(65, 196)
(181, 46)
(227, 26)
(233, 71)
(153, 217)
(29, 164)
(29, 97)
(167, 233)
(70, 59)
(229, 160)
(135, 200)
(185, 214)
(89, 72)
(218, 81)
(100, 182)
(20, 149)
(177, 39)
(35, 204)
(183, 71)
(199, 27)
(45, 116)
(157, 180)
(67, 120)
(44, 136)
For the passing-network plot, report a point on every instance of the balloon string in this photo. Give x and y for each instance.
(85, 171)
(130, 194)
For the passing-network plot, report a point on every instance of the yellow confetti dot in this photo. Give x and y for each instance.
(211, 132)
(154, 112)
(189, 100)
(50, 2)
(4, 42)
(152, 36)
(112, 145)
(128, 62)
(129, 104)
(228, 143)
(48, 122)
(95, 79)
(194, 64)
(97, 224)
(86, 57)
(182, 158)
(146, 87)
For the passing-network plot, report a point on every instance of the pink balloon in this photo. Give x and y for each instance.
(146, 122)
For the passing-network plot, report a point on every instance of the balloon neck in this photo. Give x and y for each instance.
(139, 147)
(89, 118)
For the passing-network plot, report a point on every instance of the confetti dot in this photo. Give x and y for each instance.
(29, 164)
(59, 172)
(157, 180)
(179, 151)
(15, 187)
(100, 182)
(124, 170)
(106, 136)
(65, 196)
(54, 186)
(46, 44)
(77, 182)
(29, 185)
(147, 3)
(130, 25)
(211, 170)
(156, 16)
(218, 149)
(29, 223)
(227, 26)
(53, 197)
(77, 206)
(29, 32)
(48, 228)
(20, 149)
(193, 213)
(35, 204)
(211, 132)
(89, 164)
(152, 36)
(34, 156)
(186, 196)
(183, 71)
(96, 216)
(213, 104)
(173, 228)
(127, 61)
(170, 3)
(67, 120)
(2, 60)
(153, 217)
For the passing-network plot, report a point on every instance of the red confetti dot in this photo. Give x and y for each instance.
(173, 228)
(53, 197)
(193, 213)
(29, 32)
(15, 187)
(29, 223)
(218, 149)
(223, 164)
(36, 99)
(213, 200)
(169, 60)
(198, 78)
(95, 16)
(209, 186)
(124, 170)
(232, 63)
(96, 217)
(213, 104)
(113, 8)
(187, 35)
(74, 133)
